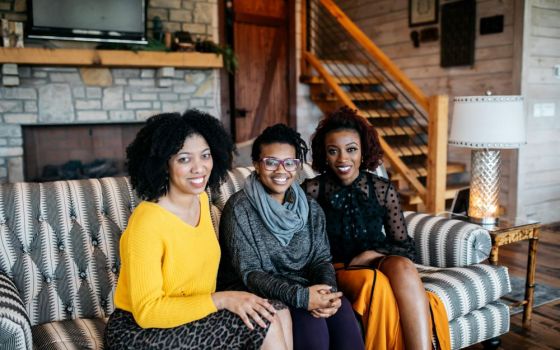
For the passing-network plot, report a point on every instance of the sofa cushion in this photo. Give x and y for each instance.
(60, 244)
(444, 242)
(464, 289)
(487, 322)
(80, 333)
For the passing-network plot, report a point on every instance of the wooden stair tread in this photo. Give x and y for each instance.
(420, 170)
(354, 61)
(398, 130)
(385, 113)
(412, 198)
(356, 96)
(411, 150)
(343, 80)
(371, 96)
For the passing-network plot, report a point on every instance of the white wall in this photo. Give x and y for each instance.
(539, 161)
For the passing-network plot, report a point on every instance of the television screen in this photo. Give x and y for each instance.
(91, 20)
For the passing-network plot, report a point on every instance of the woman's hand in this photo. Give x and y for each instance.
(365, 258)
(327, 312)
(321, 297)
(246, 305)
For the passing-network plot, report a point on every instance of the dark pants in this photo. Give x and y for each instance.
(338, 332)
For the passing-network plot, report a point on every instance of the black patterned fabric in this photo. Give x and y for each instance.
(226, 328)
(15, 328)
(365, 215)
(80, 333)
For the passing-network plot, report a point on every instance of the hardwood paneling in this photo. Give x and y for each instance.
(262, 78)
(263, 8)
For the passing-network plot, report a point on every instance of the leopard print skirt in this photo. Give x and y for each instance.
(220, 330)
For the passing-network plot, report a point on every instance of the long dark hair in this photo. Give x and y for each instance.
(162, 137)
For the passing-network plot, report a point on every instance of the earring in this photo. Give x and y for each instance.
(165, 187)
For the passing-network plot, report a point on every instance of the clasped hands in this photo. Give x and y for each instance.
(323, 302)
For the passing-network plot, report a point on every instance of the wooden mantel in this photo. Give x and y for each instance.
(109, 58)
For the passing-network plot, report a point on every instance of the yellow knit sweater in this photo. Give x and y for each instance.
(169, 268)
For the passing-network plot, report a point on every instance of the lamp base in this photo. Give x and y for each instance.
(485, 186)
(484, 221)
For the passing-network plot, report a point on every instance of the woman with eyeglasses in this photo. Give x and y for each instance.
(274, 244)
(371, 249)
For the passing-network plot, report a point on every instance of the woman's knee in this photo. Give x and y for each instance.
(398, 267)
(309, 332)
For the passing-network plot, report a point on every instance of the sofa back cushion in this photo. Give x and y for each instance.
(59, 244)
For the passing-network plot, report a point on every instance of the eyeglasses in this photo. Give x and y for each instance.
(290, 164)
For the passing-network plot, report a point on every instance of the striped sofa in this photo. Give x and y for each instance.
(59, 263)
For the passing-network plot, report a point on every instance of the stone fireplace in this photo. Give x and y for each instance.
(88, 97)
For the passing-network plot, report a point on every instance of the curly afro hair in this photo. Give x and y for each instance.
(162, 137)
(346, 119)
(279, 133)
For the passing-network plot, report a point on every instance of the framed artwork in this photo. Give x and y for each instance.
(421, 12)
(458, 32)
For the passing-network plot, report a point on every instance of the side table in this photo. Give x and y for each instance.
(511, 231)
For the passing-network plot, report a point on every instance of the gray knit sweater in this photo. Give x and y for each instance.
(253, 259)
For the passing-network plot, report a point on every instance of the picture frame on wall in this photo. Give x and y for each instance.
(422, 12)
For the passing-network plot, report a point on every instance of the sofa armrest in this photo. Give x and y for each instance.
(442, 242)
(15, 327)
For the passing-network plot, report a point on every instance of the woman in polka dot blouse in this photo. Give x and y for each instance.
(372, 251)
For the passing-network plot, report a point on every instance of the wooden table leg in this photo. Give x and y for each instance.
(530, 280)
(494, 254)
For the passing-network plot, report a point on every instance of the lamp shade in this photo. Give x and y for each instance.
(488, 122)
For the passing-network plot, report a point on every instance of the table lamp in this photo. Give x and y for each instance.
(486, 124)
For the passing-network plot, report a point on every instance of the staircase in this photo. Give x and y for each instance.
(344, 67)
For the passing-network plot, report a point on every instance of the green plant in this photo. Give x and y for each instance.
(228, 55)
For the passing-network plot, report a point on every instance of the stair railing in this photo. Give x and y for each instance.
(337, 50)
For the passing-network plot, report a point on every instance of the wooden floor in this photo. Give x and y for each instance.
(545, 330)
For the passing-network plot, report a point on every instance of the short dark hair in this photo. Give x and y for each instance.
(162, 137)
(346, 119)
(279, 133)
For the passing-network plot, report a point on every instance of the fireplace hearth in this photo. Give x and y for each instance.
(57, 152)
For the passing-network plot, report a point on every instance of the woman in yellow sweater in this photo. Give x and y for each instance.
(165, 296)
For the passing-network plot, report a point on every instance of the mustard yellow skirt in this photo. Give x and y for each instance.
(372, 298)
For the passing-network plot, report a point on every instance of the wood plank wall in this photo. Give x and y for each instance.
(496, 56)
(539, 165)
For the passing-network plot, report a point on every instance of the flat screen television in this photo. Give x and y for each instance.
(116, 21)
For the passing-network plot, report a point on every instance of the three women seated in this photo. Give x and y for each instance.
(278, 287)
